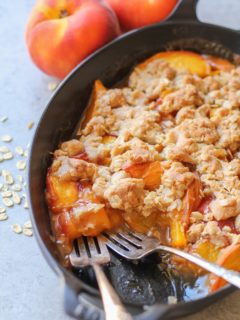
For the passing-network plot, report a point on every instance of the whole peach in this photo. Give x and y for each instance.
(61, 33)
(134, 14)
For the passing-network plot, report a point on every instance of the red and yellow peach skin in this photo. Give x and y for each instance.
(61, 33)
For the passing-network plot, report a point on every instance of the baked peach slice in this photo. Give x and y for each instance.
(229, 258)
(108, 139)
(115, 217)
(152, 175)
(88, 223)
(219, 64)
(150, 172)
(136, 170)
(177, 232)
(204, 208)
(182, 60)
(81, 156)
(139, 223)
(191, 200)
(88, 217)
(207, 250)
(98, 90)
(171, 222)
(61, 194)
(180, 220)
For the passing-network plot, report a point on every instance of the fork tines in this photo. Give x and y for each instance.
(89, 250)
(124, 242)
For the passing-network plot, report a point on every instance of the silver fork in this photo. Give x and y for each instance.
(88, 251)
(134, 246)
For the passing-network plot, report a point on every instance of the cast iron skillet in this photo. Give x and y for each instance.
(111, 64)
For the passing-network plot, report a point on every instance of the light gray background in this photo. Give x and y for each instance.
(28, 287)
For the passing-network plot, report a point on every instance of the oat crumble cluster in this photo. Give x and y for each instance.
(182, 126)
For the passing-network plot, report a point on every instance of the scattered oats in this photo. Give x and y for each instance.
(24, 184)
(3, 119)
(20, 179)
(19, 150)
(5, 172)
(52, 86)
(6, 138)
(27, 225)
(6, 194)
(7, 202)
(25, 205)
(172, 300)
(3, 216)
(30, 125)
(8, 178)
(4, 149)
(16, 228)
(8, 156)
(25, 154)
(2, 210)
(16, 198)
(1, 186)
(5, 188)
(21, 165)
(16, 187)
(27, 232)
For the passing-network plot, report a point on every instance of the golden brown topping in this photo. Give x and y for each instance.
(163, 150)
(200, 130)
(188, 96)
(125, 194)
(69, 168)
(225, 207)
(69, 148)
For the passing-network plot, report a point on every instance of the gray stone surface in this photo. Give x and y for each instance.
(28, 288)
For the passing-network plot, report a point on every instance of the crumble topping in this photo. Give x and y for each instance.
(186, 124)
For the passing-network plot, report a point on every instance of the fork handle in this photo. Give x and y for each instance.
(230, 276)
(113, 307)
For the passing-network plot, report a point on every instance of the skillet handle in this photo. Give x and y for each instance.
(185, 10)
(78, 307)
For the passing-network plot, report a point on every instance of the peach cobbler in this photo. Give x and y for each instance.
(160, 154)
